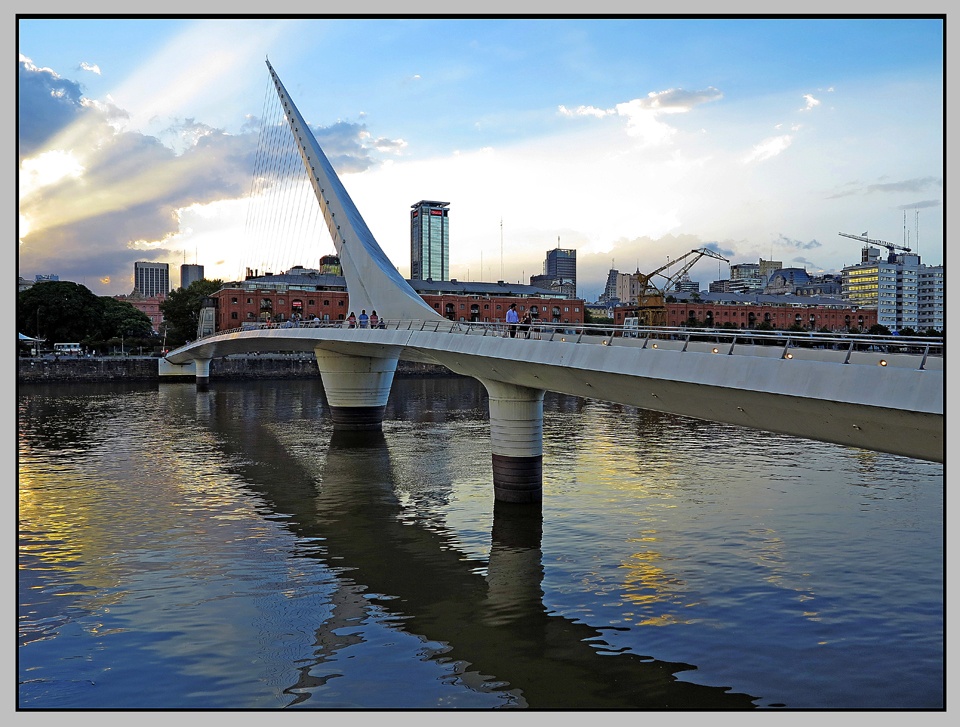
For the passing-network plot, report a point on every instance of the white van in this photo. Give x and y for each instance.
(631, 327)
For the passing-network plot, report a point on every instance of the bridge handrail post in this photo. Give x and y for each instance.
(733, 342)
(846, 360)
(786, 349)
(686, 342)
(923, 361)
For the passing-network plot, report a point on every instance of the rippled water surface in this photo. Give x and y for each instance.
(228, 550)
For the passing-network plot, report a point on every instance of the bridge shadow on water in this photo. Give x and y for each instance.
(484, 619)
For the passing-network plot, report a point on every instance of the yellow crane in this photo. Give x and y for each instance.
(651, 305)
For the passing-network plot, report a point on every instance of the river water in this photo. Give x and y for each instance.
(228, 550)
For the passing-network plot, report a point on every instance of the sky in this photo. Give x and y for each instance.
(630, 140)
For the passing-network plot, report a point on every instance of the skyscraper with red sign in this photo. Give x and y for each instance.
(430, 240)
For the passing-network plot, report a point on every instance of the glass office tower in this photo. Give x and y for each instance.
(561, 265)
(430, 241)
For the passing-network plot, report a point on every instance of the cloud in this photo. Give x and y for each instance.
(915, 185)
(96, 197)
(920, 205)
(46, 104)
(907, 185)
(811, 102)
(798, 244)
(768, 148)
(643, 114)
(92, 67)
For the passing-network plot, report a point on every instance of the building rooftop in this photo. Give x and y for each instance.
(759, 299)
(322, 281)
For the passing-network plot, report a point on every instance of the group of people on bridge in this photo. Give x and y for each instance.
(364, 321)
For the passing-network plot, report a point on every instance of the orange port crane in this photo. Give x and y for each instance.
(651, 305)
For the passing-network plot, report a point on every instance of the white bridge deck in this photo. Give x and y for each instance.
(877, 393)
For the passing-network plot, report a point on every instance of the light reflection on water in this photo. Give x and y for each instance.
(227, 549)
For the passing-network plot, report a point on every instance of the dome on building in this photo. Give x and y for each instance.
(786, 280)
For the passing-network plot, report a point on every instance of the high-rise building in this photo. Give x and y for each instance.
(766, 268)
(898, 287)
(610, 289)
(190, 274)
(561, 266)
(151, 279)
(430, 240)
(746, 277)
(930, 298)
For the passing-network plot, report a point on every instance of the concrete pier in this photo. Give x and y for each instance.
(357, 387)
(516, 441)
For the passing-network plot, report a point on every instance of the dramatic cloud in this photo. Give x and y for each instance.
(94, 198)
(46, 104)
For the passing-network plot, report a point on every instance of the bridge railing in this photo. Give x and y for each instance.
(783, 344)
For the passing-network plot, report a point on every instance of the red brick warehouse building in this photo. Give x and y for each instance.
(713, 310)
(279, 298)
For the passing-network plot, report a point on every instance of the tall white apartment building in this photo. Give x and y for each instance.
(930, 290)
(893, 286)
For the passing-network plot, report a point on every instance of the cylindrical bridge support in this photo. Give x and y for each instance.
(357, 387)
(203, 373)
(516, 439)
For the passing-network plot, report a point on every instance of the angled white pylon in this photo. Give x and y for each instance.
(373, 282)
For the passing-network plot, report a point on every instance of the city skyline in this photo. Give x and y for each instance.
(629, 140)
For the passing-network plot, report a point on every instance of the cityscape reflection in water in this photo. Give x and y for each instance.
(227, 549)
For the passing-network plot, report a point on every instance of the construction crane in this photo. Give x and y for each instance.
(651, 306)
(889, 245)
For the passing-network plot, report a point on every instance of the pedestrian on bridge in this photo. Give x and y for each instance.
(351, 320)
(525, 331)
(512, 320)
(374, 319)
(364, 318)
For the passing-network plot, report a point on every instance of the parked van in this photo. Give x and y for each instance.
(67, 349)
(630, 327)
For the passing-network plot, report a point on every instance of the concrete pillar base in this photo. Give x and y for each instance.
(357, 387)
(203, 374)
(517, 479)
(357, 418)
(516, 442)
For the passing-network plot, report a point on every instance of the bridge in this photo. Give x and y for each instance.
(880, 394)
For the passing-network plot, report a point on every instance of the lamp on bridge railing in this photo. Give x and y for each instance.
(883, 362)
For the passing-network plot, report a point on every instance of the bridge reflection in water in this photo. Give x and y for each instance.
(485, 619)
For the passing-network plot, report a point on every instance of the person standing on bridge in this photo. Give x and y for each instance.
(374, 319)
(364, 318)
(351, 320)
(512, 320)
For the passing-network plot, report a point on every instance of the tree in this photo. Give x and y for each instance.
(181, 310)
(590, 316)
(122, 319)
(59, 312)
(879, 330)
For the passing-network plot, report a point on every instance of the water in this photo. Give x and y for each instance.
(228, 550)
